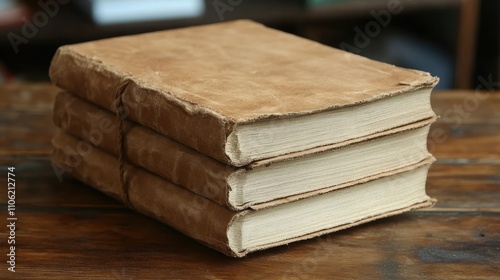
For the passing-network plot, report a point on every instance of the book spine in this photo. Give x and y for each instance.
(169, 159)
(161, 111)
(183, 210)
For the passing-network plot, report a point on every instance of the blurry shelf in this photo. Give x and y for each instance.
(70, 25)
(359, 8)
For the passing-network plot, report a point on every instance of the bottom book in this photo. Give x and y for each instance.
(237, 233)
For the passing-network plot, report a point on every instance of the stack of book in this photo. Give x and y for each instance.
(241, 136)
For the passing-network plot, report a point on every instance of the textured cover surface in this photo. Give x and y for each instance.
(144, 147)
(214, 77)
(175, 162)
(191, 214)
(185, 211)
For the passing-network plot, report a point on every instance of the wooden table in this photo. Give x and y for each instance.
(68, 230)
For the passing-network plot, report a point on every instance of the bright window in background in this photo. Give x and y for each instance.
(123, 11)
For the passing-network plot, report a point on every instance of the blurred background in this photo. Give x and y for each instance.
(457, 40)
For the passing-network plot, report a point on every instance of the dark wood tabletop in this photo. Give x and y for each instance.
(67, 230)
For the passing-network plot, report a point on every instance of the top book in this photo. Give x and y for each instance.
(240, 92)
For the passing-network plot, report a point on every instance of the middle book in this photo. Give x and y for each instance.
(260, 184)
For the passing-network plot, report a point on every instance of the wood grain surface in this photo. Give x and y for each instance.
(66, 230)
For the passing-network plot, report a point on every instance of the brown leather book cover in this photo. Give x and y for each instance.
(182, 165)
(183, 210)
(198, 84)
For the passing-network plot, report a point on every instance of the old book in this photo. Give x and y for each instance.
(240, 92)
(239, 233)
(261, 184)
